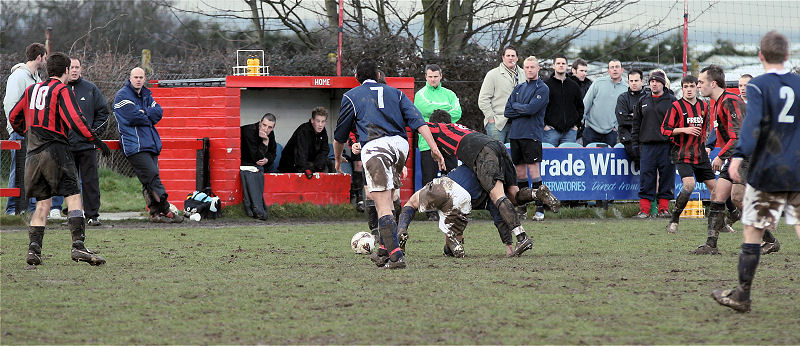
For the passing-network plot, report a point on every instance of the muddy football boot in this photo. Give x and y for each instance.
(672, 227)
(522, 246)
(34, 256)
(729, 298)
(379, 260)
(454, 245)
(767, 248)
(81, 254)
(544, 195)
(704, 249)
(399, 264)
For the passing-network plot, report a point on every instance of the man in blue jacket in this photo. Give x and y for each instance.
(525, 110)
(137, 114)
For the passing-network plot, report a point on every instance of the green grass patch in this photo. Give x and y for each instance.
(119, 193)
(595, 281)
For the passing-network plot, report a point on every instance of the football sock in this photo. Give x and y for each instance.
(644, 206)
(748, 261)
(406, 215)
(521, 236)
(508, 212)
(716, 218)
(522, 183)
(36, 235)
(663, 204)
(77, 225)
(768, 237)
(680, 204)
(388, 229)
(372, 215)
(729, 204)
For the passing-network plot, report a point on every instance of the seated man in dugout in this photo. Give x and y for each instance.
(307, 150)
(258, 149)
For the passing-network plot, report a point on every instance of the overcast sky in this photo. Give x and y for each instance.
(742, 22)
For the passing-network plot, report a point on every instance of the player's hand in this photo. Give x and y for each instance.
(693, 131)
(733, 170)
(716, 164)
(509, 250)
(437, 156)
(103, 147)
(356, 148)
(262, 161)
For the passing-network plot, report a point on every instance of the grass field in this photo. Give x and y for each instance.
(584, 282)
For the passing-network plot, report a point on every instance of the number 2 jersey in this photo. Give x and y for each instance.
(376, 110)
(45, 114)
(770, 134)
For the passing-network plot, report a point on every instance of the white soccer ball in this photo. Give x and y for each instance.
(362, 243)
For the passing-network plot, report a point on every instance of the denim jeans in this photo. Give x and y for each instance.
(500, 135)
(555, 138)
(12, 201)
(590, 136)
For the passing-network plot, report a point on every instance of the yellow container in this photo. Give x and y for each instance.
(253, 66)
(694, 210)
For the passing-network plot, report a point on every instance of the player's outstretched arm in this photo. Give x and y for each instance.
(338, 148)
(425, 132)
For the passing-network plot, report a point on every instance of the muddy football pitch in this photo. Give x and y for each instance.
(584, 282)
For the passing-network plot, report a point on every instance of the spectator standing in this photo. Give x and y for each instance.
(307, 150)
(137, 114)
(657, 176)
(525, 110)
(743, 80)
(95, 112)
(626, 105)
(599, 106)
(431, 97)
(578, 75)
(565, 108)
(44, 114)
(496, 87)
(21, 77)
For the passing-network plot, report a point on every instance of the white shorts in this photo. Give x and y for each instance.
(384, 159)
(448, 198)
(763, 209)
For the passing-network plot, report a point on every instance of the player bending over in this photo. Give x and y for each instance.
(45, 114)
(770, 138)
(454, 196)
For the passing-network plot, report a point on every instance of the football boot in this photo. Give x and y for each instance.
(522, 246)
(704, 249)
(729, 298)
(399, 264)
(34, 256)
(81, 254)
(767, 247)
(672, 227)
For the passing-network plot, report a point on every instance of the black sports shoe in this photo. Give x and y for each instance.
(544, 195)
(704, 249)
(34, 257)
(81, 254)
(729, 298)
(522, 246)
(399, 264)
(94, 222)
(767, 247)
(379, 260)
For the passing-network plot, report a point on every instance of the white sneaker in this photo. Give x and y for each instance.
(55, 214)
(539, 216)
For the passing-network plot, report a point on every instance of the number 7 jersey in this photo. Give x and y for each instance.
(770, 134)
(376, 110)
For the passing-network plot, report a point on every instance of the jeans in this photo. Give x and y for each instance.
(500, 135)
(12, 201)
(555, 138)
(591, 136)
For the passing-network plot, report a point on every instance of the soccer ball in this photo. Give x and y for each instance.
(362, 243)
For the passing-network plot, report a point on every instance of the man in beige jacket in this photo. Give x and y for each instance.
(496, 87)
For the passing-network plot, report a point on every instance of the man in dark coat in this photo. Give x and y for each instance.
(307, 150)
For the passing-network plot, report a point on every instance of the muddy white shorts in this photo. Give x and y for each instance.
(384, 159)
(763, 209)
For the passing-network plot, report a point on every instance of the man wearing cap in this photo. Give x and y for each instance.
(657, 177)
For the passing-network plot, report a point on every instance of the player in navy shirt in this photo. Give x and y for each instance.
(380, 114)
(770, 137)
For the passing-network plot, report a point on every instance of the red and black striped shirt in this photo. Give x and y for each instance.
(459, 141)
(45, 114)
(728, 112)
(685, 147)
